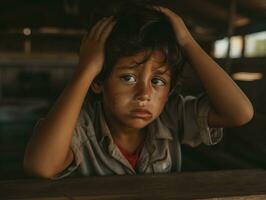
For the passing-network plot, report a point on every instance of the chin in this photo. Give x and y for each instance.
(138, 123)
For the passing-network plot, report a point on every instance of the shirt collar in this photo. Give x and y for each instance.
(159, 130)
(104, 129)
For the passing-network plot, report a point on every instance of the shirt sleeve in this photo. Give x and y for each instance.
(84, 127)
(190, 116)
(75, 146)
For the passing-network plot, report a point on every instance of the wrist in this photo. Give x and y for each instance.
(86, 73)
(88, 68)
(187, 42)
(184, 37)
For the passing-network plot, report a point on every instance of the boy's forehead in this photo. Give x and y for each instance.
(156, 56)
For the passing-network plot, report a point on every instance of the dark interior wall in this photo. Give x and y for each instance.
(31, 80)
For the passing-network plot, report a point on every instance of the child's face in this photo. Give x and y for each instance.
(134, 95)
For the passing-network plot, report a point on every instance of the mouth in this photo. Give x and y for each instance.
(141, 113)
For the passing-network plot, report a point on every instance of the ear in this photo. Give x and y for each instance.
(96, 87)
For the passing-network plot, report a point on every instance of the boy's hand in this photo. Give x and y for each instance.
(91, 55)
(182, 34)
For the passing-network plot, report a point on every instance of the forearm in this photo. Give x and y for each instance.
(229, 103)
(49, 146)
(48, 151)
(226, 97)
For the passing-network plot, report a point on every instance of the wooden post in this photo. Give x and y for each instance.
(1, 82)
(230, 32)
(27, 46)
(243, 50)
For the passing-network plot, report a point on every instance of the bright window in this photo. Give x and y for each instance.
(256, 44)
(220, 47)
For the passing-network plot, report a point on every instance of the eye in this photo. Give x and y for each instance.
(130, 79)
(158, 82)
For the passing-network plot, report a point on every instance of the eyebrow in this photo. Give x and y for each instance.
(167, 72)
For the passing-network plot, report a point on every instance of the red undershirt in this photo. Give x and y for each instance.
(132, 158)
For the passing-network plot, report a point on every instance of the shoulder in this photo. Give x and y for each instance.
(86, 120)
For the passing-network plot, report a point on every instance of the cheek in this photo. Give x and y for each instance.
(116, 96)
(160, 99)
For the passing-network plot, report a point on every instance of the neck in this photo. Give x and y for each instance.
(127, 137)
(129, 142)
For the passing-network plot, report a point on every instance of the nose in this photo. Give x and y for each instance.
(143, 91)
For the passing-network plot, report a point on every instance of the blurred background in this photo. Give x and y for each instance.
(39, 45)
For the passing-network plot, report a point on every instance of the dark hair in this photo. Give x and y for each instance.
(140, 27)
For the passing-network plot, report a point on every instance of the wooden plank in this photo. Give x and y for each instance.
(248, 197)
(252, 197)
(196, 185)
(47, 60)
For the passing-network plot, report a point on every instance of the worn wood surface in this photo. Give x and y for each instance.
(236, 184)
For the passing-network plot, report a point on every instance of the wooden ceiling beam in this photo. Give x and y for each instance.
(213, 12)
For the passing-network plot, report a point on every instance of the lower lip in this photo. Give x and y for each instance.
(142, 115)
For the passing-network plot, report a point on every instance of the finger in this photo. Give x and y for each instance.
(158, 8)
(102, 27)
(107, 31)
(95, 27)
(161, 9)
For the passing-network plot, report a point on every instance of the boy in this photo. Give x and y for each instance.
(133, 120)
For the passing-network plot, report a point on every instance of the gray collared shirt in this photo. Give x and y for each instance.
(183, 120)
